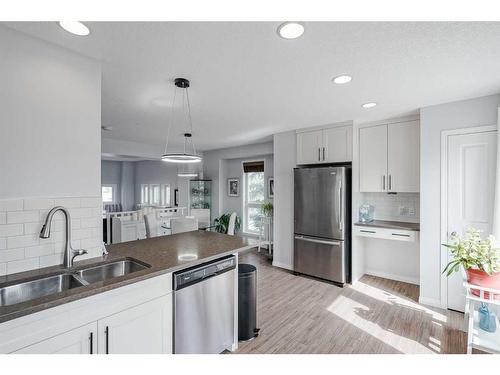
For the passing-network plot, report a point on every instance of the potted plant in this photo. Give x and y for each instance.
(267, 209)
(479, 257)
(222, 223)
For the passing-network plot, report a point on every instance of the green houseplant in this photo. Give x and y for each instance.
(267, 209)
(222, 223)
(479, 257)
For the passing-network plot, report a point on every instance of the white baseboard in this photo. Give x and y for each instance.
(405, 279)
(431, 302)
(283, 265)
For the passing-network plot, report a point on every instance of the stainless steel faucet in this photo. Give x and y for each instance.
(70, 253)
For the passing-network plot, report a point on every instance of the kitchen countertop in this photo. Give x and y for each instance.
(391, 225)
(165, 254)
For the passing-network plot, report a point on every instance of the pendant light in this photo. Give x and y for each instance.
(185, 156)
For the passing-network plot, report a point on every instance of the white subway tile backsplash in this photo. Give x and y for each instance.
(22, 241)
(68, 202)
(51, 260)
(40, 250)
(23, 265)
(11, 230)
(395, 207)
(17, 217)
(38, 203)
(11, 204)
(21, 220)
(12, 254)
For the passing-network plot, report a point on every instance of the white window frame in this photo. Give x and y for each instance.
(247, 205)
(114, 189)
(147, 194)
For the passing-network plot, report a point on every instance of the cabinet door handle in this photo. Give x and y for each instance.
(323, 154)
(91, 340)
(106, 332)
(390, 182)
(383, 182)
(319, 154)
(367, 231)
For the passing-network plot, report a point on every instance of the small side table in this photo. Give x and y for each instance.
(266, 234)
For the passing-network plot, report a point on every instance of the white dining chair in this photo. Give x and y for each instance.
(151, 224)
(232, 224)
(183, 224)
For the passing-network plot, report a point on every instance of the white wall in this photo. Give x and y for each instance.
(50, 119)
(155, 172)
(433, 120)
(214, 168)
(50, 138)
(284, 162)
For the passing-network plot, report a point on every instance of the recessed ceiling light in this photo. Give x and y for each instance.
(75, 27)
(291, 30)
(369, 105)
(340, 80)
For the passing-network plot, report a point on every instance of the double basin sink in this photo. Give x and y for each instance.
(28, 290)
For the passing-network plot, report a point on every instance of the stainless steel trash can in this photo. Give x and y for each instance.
(247, 302)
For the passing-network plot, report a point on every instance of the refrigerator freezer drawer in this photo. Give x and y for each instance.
(321, 258)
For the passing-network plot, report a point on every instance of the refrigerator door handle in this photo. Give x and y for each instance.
(314, 240)
(340, 205)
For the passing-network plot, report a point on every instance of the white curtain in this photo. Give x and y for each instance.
(495, 229)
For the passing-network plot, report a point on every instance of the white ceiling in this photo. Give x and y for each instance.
(248, 83)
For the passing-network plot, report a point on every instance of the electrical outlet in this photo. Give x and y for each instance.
(411, 211)
(403, 211)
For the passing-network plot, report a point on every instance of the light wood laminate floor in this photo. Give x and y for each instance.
(297, 314)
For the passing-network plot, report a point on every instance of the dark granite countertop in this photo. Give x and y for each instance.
(391, 225)
(164, 254)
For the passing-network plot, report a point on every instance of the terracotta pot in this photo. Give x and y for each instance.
(481, 278)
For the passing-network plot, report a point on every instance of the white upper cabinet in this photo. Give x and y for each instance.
(329, 145)
(309, 145)
(389, 158)
(373, 159)
(403, 163)
(337, 143)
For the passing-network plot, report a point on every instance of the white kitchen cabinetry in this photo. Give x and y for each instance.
(144, 329)
(135, 318)
(403, 156)
(81, 340)
(331, 145)
(373, 159)
(389, 158)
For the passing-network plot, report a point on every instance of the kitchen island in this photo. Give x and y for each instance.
(26, 324)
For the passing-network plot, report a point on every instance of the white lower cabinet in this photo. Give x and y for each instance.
(144, 329)
(82, 340)
(133, 319)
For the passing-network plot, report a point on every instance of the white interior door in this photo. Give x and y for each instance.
(470, 185)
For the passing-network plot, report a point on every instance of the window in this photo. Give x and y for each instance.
(155, 194)
(108, 193)
(254, 187)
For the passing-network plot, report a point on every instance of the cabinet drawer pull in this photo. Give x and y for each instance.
(106, 332)
(400, 235)
(91, 339)
(367, 231)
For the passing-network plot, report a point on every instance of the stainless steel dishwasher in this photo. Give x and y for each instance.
(204, 307)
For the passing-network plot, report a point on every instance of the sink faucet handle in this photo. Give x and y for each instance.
(77, 253)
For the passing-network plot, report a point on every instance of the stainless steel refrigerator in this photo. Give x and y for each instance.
(322, 222)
